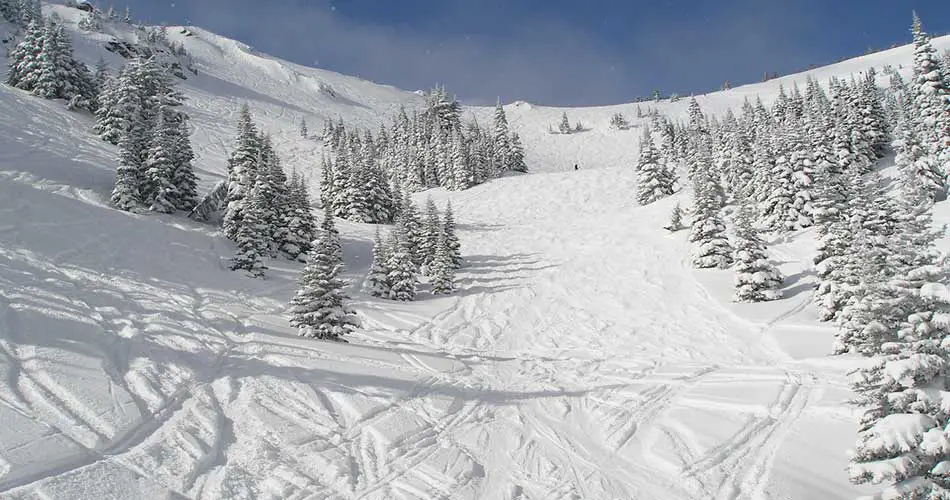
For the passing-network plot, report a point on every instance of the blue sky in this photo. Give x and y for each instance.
(558, 52)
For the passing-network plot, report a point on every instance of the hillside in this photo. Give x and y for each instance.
(581, 358)
(602, 147)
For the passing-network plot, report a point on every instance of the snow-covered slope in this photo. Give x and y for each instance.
(279, 93)
(581, 358)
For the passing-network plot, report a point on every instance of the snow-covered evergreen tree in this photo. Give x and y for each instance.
(25, 58)
(279, 208)
(251, 237)
(870, 235)
(516, 155)
(565, 126)
(903, 444)
(118, 96)
(444, 112)
(833, 229)
(128, 176)
(160, 191)
(43, 64)
(676, 219)
(930, 89)
(919, 169)
(870, 109)
(788, 196)
(618, 122)
(654, 181)
(319, 309)
(377, 281)
(412, 226)
(501, 141)
(329, 232)
(183, 177)
(242, 172)
(451, 238)
(431, 232)
(303, 128)
(736, 159)
(712, 248)
(442, 269)
(402, 270)
(300, 224)
(757, 279)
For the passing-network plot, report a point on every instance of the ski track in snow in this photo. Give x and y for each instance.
(580, 358)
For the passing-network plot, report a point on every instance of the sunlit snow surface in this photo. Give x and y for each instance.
(581, 358)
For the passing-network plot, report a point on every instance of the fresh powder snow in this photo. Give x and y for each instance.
(581, 355)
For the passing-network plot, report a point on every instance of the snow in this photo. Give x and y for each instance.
(581, 357)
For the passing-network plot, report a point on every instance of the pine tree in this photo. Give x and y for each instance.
(931, 95)
(342, 190)
(49, 82)
(516, 155)
(618, 122)
(501, 142)
(160, 167)
(865, 323)
(402, 269)
(25, 58)
(757, 279)
(451, 238)
(431, 231)
(831, 215)
(251, 235)
(565, 126)
(443, 112)
(379, 196)
(183, 177)
(242, 172)
(279, 209)
(43, 64)
(300, 224)
(442, 268)
(319, 309)
(676, 219)
(329, 232)
(128, 176)
(918, 169)
(862, 243)
(788, 202)
(654, 182)
(116, 99)
(100, 76)
(736, 160)
(377, 281)
(142, 89)
(871, 110)
(462, 173)
(903, 442)
(697, 120)
(708, 231)
(303, 128)
(412, 226)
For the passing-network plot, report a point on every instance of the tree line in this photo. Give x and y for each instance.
(366, 174)
(811, 161)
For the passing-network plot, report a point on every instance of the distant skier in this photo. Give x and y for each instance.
(575, 166)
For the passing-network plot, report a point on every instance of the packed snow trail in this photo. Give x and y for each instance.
(571, 364)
